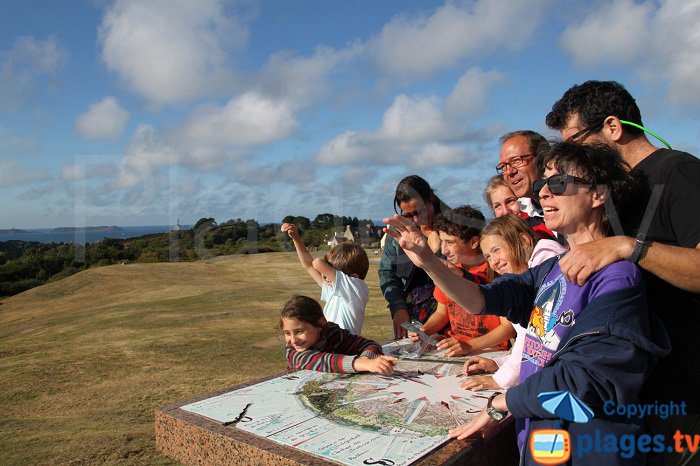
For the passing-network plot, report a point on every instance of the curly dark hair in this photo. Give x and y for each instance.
(593, 101)
(602, 166)
(464, 222)
(415, 187)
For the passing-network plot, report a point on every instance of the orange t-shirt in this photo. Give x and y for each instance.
(463, 325)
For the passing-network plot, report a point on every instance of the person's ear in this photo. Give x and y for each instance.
(612, 129)
(474, 243)
(600, 195)
(528, 241)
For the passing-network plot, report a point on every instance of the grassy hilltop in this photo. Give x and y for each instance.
(85, 360)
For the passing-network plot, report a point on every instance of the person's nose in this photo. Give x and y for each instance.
(545, 193)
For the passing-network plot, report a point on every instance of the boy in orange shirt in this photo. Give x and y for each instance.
(459, 231)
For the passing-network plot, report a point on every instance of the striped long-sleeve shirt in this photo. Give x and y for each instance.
(334, 352)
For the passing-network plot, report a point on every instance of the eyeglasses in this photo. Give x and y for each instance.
(557, 183)
(415, 213)
(581, 134)
(514, 162)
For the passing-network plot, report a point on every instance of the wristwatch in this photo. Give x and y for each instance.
(493, 413)
(640, 248)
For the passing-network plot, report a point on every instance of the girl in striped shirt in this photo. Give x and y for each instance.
(313, 343)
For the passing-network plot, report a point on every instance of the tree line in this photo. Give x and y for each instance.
(24, 265)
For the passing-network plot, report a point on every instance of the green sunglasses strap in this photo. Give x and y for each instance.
(648, 131)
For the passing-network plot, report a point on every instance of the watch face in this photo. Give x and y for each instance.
(495, 414)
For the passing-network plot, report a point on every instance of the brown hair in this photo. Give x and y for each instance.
(303, 309)
(349, 258)
(512, 229)
(464, 222)
(493, 184)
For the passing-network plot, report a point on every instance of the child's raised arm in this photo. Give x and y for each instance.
(304, 256)
(325, 269)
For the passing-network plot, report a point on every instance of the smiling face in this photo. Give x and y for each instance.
(456, 250)
(300, 335)
(499, 256)
(503, 201)
(519, 179)
(576, 213)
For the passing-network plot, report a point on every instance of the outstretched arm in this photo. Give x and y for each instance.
(455, 347)
(465, 293)
(304, 255)
(673, 264)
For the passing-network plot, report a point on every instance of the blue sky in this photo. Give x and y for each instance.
(140, 112)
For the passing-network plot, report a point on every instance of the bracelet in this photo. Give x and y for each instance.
(640, 249)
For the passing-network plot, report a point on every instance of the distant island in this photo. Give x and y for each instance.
(12, 231)
(101, 228)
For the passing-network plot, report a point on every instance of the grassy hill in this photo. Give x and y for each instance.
(85, 360)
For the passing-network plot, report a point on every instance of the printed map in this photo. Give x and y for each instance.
(353, 419)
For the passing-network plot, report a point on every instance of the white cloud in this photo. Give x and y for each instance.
(170, 50)
(105, 119)
(29, 60)
(469, 95)
(614, 32)
(248, 119)
(14, 174)
(417, 131)
(210, 137)
(663, 42)
(300, 79)
(413, 119)
(417, 47)
(148, 151)
(293, 172)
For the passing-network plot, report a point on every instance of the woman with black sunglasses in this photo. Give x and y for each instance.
(408, 289)
(597, 341)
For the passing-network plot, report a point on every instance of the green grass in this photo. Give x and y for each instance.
(86, 360)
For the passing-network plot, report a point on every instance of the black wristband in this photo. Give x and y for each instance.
(640, 249)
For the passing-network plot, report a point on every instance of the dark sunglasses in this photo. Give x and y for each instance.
(415, 213)
(557, 183)
(581, 134)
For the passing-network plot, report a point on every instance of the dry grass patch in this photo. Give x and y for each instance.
(85, 360)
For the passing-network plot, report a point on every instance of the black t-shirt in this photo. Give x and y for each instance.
(676, 222)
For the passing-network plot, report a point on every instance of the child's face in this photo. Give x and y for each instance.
(504, 202)
(498, 255)
(455, 249)
(300, 335)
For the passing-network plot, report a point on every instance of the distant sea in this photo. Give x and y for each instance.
(48, 235)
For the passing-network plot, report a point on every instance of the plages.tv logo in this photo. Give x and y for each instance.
(550, 446)
(553, 446)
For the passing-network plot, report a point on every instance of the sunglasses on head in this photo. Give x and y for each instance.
(557, 183)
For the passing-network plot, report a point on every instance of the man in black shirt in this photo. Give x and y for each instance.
(667, 243)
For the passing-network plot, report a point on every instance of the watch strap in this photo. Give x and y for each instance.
(640, 248)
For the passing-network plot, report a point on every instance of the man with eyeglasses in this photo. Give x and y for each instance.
(667, 246)
(518, 167)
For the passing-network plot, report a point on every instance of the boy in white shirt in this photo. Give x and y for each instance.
(341, 277)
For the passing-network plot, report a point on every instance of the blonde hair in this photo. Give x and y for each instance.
(494, 183)
(518, 235)
(349, 258)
